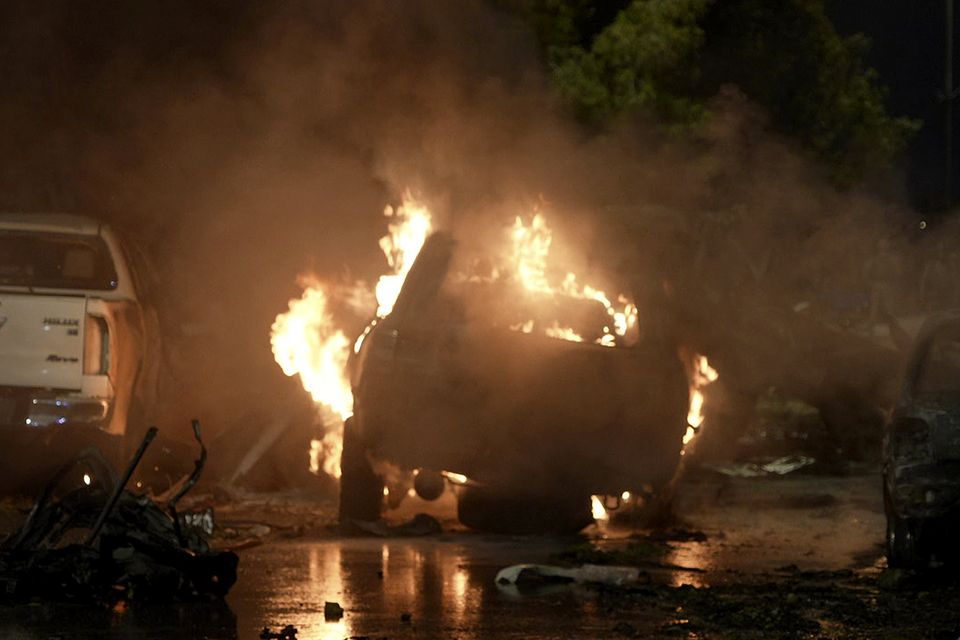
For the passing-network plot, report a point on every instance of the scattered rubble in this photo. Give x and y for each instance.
(421, 525)
(779, 466)
(288, 632)
(609, 575)
(94, 541)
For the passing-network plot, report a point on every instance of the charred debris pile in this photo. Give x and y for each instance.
(89, 539)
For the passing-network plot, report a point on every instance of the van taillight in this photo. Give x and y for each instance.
(96, 346)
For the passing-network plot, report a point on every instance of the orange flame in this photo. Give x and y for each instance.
(702, 374)
(307, 343)
(410, 224)
(597, 509)
(531, 250)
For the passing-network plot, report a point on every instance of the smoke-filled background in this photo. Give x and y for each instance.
(242, 143)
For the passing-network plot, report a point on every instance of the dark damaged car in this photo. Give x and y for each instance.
(921, 469)
(457, 383)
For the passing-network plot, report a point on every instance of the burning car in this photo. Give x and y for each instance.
(531, 397)
(921, 459)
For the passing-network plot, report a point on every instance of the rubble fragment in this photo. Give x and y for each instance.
(332, 611)
(289, 632)
(608, 575)
(101, 543)
(421, 525)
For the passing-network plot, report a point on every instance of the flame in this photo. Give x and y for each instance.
(564, 333)
(599, 511)
(306, 341)
(702, 374)
(531, 246)
(410, 224)
(531, 250)
(455, 478)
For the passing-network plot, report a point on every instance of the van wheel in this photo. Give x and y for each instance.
(361, 490)
(903, 549)
(500, 511)
(903, 540)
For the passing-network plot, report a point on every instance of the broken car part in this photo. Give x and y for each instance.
(101, 543)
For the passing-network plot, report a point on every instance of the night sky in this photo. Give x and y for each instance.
(908, 47)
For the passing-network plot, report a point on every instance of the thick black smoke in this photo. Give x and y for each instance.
(243, 142)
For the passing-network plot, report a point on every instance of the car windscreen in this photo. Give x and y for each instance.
(55, 261)
(939, 371)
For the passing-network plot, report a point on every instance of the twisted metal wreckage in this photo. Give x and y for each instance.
(96, 541)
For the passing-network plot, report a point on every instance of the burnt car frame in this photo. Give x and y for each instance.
(921, 449)
(537, 424)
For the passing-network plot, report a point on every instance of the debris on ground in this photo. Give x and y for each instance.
(779, 466)
(626, 629)
(94, 541)
(332, 611)
(608, 575)
(421, 525)
(675, 534)
(289, 632)
(640, 551)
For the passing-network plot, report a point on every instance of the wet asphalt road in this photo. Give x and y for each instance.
(446, 582)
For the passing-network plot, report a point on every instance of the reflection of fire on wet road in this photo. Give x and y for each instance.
(689, 554)
(753, 528)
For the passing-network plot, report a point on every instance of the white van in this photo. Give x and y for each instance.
(73, 333)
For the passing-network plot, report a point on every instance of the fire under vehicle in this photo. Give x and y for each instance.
(921, 456)
(458, 382)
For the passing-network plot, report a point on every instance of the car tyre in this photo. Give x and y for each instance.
(361, 489)
(903, 540)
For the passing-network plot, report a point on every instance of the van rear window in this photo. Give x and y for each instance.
(55, 261)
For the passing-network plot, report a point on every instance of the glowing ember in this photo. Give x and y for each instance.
(307, 343)
(701, 375)
(455, 478)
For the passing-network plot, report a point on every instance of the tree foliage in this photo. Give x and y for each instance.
(667, 58)
(787, 56)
